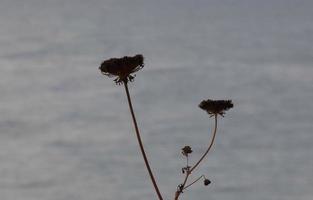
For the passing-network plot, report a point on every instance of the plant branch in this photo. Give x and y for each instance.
(194, 181)
(210, 145)
(141, 144)
(178, 192)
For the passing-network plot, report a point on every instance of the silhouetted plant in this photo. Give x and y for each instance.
(217, 107)
(213, 108)
(123, 69)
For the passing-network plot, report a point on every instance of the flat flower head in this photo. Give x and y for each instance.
(216, 107)
(122, 68)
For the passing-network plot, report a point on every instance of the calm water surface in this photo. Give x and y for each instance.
(65, 130)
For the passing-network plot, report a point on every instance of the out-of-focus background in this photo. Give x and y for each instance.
(65, 130)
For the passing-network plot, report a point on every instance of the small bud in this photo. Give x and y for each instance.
(186, 150)
(185, 169)
(180, 188)
(206, 182)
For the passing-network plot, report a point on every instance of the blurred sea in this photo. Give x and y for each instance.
(66, 132)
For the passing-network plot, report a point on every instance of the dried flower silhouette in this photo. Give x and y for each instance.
(122, 68)
(186, 150)
(214, 107)
(206, 182)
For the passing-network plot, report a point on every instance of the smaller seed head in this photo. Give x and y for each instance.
(206, 182)
(186, 150)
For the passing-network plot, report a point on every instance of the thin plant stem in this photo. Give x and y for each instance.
(210, 146)
(187, 161)
(141, 144)
(194, 181)
(177, 193)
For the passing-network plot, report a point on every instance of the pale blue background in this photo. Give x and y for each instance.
(65, 130)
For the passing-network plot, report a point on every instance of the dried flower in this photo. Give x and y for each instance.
(122, 68)
(186, 150)
(216, 107)
(206, 182)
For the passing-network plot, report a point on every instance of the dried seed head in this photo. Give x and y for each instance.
(186, 150)
(122, 68)
(206, 182)
(216, 107)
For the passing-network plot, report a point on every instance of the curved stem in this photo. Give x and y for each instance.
(194, 181)
(202, 157)
(210, 145)
(141, 144)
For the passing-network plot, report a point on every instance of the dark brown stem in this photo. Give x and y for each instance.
(141, 144)
(197, 163)
(210, 145)
(182, 186)
(202, 176)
